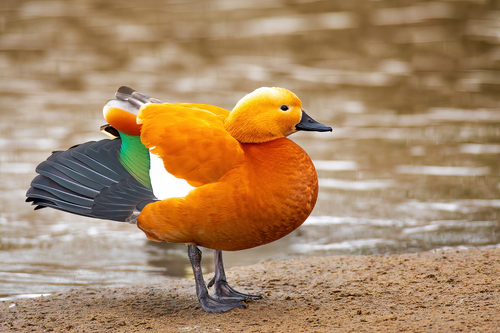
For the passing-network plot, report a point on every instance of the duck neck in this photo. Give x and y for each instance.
(248, 132)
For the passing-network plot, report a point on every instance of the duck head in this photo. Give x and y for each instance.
(267, 114)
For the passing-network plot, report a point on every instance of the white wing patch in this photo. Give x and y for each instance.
(165, 185)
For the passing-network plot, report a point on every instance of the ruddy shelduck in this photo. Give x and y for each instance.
(192, 173)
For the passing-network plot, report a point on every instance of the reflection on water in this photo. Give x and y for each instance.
(411, 90)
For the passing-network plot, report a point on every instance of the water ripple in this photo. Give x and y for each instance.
(356, 185)
(443, 170)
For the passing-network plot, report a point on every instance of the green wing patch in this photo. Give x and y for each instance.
(134, 156)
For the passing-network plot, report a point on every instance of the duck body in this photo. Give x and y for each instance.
(250, 185)
(192, 173)
(261, 199)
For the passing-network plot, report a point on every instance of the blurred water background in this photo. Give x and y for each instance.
(411, 88)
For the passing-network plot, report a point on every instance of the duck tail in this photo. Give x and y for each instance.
(89, 180)
(134, 97)
(121, 112)
(128, 100)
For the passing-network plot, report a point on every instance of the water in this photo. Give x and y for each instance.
(410, 87)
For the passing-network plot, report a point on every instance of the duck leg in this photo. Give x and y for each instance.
(208, 303)
(222, 290)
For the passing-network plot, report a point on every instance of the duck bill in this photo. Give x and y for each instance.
(308, 124)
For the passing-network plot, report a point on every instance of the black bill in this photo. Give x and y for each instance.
(309, 124)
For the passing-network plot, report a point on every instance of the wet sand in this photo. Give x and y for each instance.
(445, 291)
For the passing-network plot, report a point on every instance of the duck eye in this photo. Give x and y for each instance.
(284, 108)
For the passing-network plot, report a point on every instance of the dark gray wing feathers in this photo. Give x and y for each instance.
(89, 180)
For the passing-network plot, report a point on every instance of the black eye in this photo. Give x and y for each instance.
(284, 108)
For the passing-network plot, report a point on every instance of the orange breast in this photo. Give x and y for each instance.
(262, 199)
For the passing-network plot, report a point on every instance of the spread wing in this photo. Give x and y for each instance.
(191, 140)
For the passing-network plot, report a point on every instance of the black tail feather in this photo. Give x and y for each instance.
(135, 98)
(89, 180)
(55, 191)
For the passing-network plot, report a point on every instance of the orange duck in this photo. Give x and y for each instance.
(192, 173)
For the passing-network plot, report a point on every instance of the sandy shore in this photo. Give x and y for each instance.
(445, 291)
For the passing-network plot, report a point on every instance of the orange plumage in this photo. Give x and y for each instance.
(246, 194)
(193, 143)
(264, 197)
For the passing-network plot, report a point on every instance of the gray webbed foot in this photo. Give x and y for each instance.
(222, 290)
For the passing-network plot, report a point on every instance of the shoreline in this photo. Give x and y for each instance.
(448, 290)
